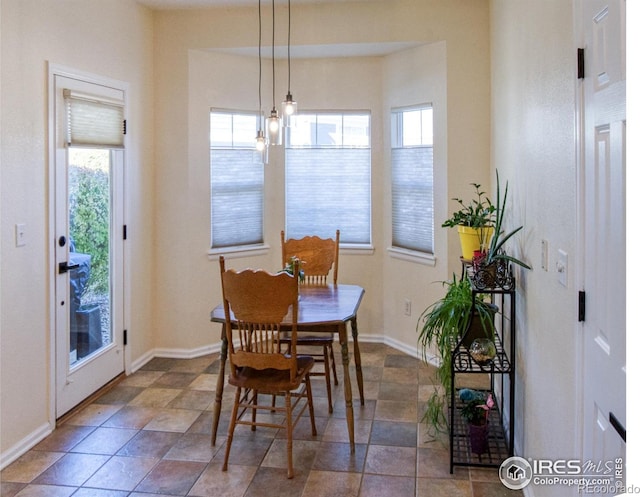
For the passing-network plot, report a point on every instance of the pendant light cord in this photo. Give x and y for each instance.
(289, 48)
(260, 61)
(273, 51)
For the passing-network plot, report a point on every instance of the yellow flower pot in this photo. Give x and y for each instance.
(472, 239)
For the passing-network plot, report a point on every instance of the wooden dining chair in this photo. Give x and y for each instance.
(256, 303)
(318, 257)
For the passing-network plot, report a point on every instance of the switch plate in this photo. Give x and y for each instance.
(544, 255)
(21, 235)
(562, 267)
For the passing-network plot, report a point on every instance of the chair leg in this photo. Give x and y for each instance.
(333, 365)
(232, 427)
(254, 411)
(289, 436)
(312, 416)
(327, 377)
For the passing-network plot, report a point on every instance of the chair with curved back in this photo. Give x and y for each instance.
(259, 307)
(318, 257)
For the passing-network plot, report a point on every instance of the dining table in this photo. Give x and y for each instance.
(321, 309)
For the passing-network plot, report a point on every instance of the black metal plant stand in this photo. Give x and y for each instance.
(501, 373)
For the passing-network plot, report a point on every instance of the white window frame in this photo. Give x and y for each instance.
(307, 183)
(246, 146)
(403, 141)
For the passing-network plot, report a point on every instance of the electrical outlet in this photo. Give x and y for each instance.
(407, 307)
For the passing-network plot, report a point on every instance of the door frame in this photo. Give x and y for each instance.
(579, 274)
(53, 70)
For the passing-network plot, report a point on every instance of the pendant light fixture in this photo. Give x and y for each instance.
(289, 105)
(261, 141)
(274, 126)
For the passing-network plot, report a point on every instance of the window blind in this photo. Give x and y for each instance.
(92, 121)
(328, 189)
(237, 197)
(412, 198)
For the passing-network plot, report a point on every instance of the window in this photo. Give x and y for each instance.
(328, 176)
(412, 178)
(237, 180)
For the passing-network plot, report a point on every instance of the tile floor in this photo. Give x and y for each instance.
(150, 436)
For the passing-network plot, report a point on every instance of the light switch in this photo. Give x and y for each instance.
(544, 255)
(562, 267)
(21, 235)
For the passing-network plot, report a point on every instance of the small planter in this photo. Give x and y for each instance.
(479, 438)
(496, 274)
(473, 239)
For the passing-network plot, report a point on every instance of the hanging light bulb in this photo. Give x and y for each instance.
(289, 105)
(273, 121)
(261, 142)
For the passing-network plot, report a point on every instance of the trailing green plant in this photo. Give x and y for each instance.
(443, 324)
(434, 414)
(476, 214)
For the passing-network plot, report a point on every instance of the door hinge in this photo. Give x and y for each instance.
(124, 231)
(582, 297)
(124, 337)
(581, 63)
(124, 127)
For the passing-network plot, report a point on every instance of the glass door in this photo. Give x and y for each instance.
(89, 241)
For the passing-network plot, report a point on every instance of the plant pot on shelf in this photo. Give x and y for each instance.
(479, 438)
(481, 325)
(473, 239)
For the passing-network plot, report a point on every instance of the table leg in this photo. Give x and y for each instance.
(356, 357)
(219, 387)
(344, 342)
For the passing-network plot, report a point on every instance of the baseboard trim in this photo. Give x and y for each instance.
(27, 443)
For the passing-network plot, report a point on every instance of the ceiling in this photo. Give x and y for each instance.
(298, 51)
(194, 4)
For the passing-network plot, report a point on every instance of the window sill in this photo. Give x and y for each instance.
(355, 248)
(239, 251)
(412, 256)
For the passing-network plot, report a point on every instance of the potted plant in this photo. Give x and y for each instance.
(443, 324)
(475, 411)
(289, 268)
(491, 266)
(474, 222)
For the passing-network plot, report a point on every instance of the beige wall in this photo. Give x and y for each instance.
(533, 146)
(111, 39)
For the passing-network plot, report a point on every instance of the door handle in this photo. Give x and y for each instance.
(617, 425)
(63, 267)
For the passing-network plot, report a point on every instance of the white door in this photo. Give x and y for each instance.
(89, 213)
(603, 220)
